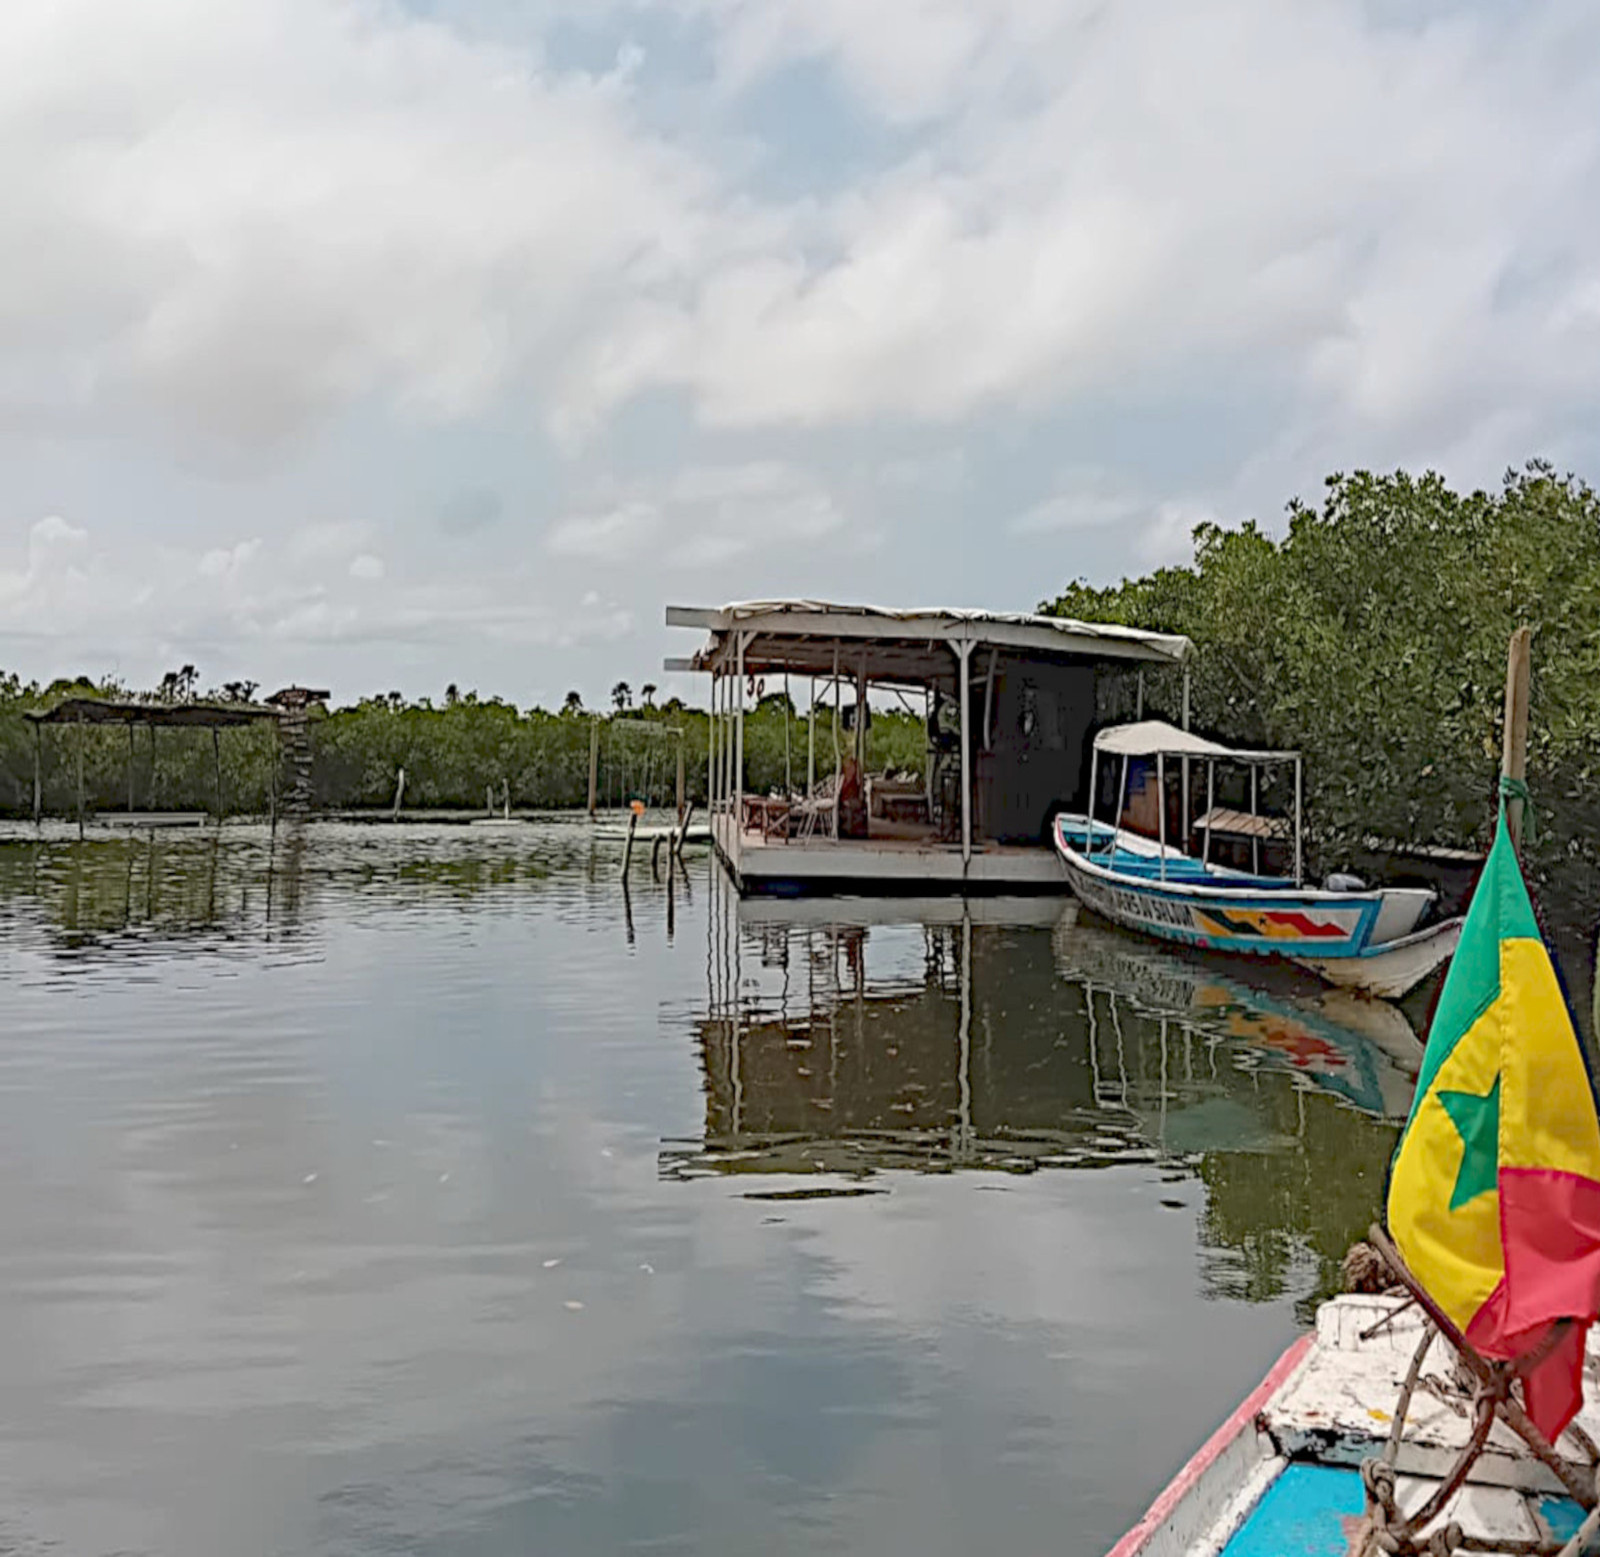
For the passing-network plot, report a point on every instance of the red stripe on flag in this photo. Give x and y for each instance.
(1550, 1233)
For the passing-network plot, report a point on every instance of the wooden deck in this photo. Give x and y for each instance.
(897, 857)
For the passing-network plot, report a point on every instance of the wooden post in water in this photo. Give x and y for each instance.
(216, 767)
(1514, 754)
(594, 763)
(80, 778)
(627, 848)
(38, 774)
(682, 791)
(130, 767)
(399, 795)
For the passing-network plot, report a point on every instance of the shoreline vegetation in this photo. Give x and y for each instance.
(1370, 635)
(452, 751)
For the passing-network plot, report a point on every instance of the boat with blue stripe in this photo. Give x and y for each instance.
(1372, 938)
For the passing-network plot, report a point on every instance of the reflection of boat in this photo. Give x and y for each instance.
(1371, 934)
(1362, 1050)
(847, 1036)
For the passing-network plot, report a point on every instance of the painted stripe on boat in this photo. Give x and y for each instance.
(1244, 1415)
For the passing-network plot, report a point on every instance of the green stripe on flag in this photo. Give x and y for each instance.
(1500, 911)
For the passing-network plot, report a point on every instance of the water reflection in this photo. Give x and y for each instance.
(383, 1189)
(853, 1039)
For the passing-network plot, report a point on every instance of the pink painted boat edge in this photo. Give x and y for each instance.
(1243, 1416)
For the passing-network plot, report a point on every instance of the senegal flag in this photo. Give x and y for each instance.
(1494, 1197)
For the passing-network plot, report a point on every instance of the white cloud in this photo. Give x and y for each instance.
(612, 536)
(248, 216)
(368, 568)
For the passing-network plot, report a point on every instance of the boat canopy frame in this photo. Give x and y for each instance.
(1156, 738)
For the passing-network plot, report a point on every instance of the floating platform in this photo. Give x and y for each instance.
(143, 821)
(897, 858)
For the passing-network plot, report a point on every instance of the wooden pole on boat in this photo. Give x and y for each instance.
(1122, 801)
(1514, 755)
(594, 764)
(1161, 809)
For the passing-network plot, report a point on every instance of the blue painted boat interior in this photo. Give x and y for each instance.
(1307, 1510)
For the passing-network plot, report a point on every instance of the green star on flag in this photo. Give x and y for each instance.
(1477, 1122)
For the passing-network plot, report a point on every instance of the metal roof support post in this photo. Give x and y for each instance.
(1255, 835)
(838, 766)
(988, 702)
(811, 742)
(1186, 830)
(963, 658)
(1161, 809)
(1094, 784)
(738, 752)
(1211, 808)
(1138, 698)
(711, 756)
(1299, 844)
(1122, 805)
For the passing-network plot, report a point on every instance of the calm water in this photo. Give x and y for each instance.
(398, 1189)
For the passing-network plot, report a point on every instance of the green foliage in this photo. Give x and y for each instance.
(451, 754)
(1373, 638)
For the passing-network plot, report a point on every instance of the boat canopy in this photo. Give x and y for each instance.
(1157, 738)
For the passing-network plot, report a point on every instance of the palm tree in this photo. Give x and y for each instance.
(621, 696)
(574, 703)
(647, 694)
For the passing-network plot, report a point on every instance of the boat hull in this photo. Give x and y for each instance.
(1215, 910)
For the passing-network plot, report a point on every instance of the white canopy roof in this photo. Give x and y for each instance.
(913, 644)
(1155, 737)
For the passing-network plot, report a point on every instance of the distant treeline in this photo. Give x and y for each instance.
(452, 752)
(1372, 636)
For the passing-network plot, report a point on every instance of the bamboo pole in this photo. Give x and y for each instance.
(594, 763)
(1514, 755)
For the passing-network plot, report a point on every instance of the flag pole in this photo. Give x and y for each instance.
(1514, 752)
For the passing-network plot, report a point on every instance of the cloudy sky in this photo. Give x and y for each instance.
(394, 344)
